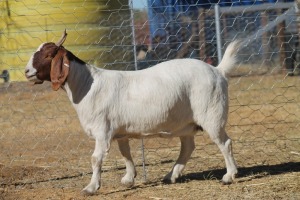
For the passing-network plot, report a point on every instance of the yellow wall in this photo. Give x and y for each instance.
(96, 31)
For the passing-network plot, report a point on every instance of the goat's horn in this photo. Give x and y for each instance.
(62, 39)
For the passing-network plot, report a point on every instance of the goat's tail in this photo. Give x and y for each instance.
(229, 59)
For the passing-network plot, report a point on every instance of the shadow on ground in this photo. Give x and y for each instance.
(245, 174)
(254, 172)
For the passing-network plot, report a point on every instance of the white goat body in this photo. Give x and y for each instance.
(158, 99)
(173, 98)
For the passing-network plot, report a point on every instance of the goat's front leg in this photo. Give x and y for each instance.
(102, 146)
(128, 179)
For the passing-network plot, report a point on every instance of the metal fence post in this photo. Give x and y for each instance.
(218, 32)
(136, 68)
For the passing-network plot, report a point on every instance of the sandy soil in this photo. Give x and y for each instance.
(44, 153)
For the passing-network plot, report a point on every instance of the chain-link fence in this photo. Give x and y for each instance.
(41, 142)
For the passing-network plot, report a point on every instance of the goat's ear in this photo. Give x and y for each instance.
(59, 69)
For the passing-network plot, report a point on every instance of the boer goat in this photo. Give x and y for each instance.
(171, 99)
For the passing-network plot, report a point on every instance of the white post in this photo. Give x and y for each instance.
(218, 32)
(133, 34)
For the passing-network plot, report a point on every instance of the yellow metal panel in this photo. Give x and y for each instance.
(25, 24)
(14, 40)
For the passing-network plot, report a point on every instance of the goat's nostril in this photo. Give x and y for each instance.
(26, 71)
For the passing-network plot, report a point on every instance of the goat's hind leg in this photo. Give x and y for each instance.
(128, 179)
(224, 143)
(187, 148)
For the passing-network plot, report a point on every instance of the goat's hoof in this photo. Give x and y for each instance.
(227, 179)
(90, 190)
(169, 179)
(127, 181)
(87, 193)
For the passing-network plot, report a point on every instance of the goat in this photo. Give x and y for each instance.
(172, 99)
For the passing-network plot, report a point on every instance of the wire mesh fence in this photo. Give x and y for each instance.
(41, 140)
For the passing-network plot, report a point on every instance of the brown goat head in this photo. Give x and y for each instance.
(49, 63)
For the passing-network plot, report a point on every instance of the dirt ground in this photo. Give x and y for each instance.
(44, 154)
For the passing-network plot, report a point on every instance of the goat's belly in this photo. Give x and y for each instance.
(188, 130)
(162, 134)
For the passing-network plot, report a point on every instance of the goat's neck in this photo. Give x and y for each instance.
(79, 81)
